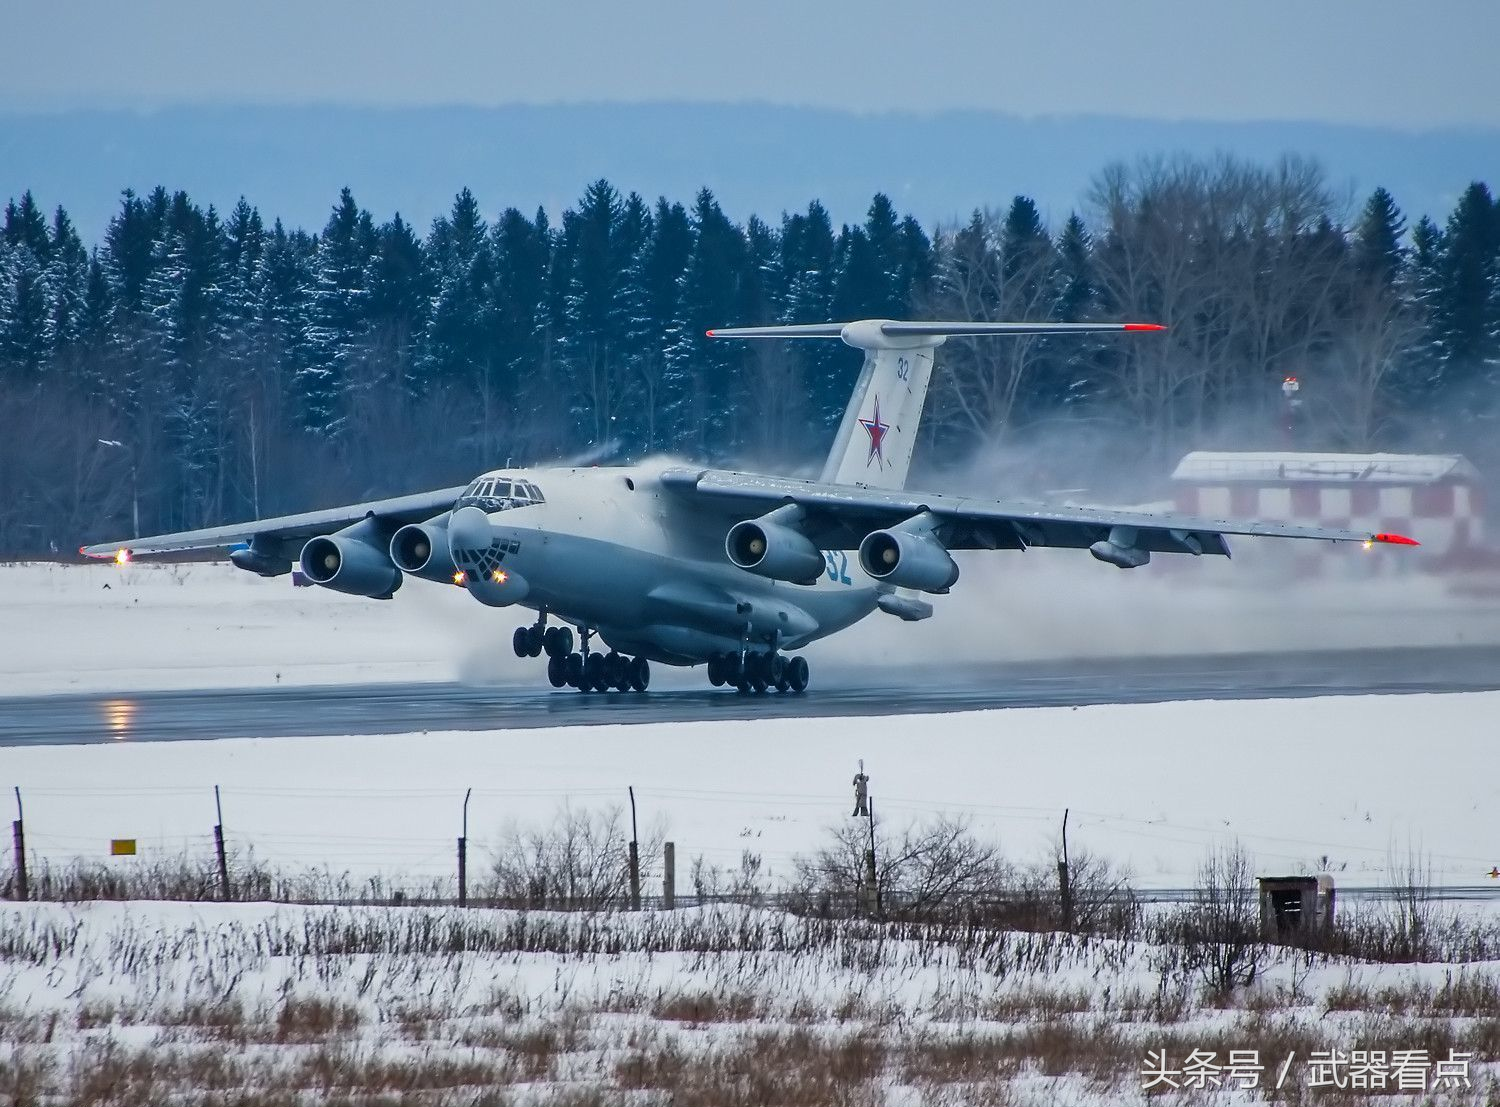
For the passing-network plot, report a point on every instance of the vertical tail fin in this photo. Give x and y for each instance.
(876, 437)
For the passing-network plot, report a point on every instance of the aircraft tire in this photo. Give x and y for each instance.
(535, 639)
(573, 669)
(716, 670)
(614, 671)
(565, 640)
(521, 641)
(776, 672)
(550, 644)
(557, 671)
(640, 674)
(593, 673)
(797, 675)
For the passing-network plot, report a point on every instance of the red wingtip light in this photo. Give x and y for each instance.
(709, 333)
(1145, 326)
(1396, 540)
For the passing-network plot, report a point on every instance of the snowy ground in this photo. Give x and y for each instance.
(1349, 785)
(147, 1002)
(208, 625)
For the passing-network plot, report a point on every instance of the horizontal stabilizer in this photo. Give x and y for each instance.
(860, 332)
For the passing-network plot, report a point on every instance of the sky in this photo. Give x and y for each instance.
(1377, 62)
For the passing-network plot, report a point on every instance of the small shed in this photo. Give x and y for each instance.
(1293, 905)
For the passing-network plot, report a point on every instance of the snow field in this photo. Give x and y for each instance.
(709, 1005)
(1356, 786)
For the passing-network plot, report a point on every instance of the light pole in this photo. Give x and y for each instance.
(135, 495)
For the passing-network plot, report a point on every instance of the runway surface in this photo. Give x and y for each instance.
(402, 708)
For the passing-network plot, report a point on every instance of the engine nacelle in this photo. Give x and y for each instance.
(908, 559)
(770, 550)
(421, 549)
(351, 562)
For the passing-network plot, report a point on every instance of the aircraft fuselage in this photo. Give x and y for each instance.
(612, 549)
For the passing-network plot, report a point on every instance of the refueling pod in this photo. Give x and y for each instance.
(1120, 548)
(355, 561)
(771, 547)
(909, 556)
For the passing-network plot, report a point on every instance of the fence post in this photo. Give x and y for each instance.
(18, 835)
(463, 855)
(1064, 881)
(635, 858)
(669, 876)
(219, 847)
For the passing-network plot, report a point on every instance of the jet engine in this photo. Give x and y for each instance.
(421, 549)
(354, 561)
(908, 559)
(770, 549)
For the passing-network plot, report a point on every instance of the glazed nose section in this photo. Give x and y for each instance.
(473, 545)
(469, 530)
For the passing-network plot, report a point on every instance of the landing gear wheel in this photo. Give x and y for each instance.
(797, 674)
(593, 673)
(640, 674)
(564, 641)
(716, 670)
(521, 641)
(614, 671)
(777, 672)
(557, 671)
(573, 670)
(534, 637)
(554, 645)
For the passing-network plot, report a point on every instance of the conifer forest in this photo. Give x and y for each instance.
(197, 366)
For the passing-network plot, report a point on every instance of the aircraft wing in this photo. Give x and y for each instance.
(838, 516)
(398, 511)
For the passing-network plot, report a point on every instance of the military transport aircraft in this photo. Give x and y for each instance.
(685, 565)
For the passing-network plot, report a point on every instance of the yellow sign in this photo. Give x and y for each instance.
(122, 847)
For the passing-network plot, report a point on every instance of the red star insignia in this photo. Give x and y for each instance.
(876, 430)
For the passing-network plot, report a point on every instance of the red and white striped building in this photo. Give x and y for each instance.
(1434, 498)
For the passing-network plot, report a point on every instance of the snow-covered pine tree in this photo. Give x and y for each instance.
(338, 315)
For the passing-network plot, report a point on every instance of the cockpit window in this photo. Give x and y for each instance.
(497, 494)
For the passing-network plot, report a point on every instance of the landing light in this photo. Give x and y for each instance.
(1369, 543)
(122, 557)
(458, 577)
(498, 576)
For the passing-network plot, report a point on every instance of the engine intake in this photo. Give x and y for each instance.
(351, 562)
(771, 549)
(421, 549)
(908, 559)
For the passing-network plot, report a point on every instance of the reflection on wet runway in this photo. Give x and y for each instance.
(399, 708)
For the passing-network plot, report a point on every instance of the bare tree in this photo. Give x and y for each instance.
(926, 869)
(580, 861)
(1220, 932)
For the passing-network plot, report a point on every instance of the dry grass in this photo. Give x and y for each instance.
(426, 1007)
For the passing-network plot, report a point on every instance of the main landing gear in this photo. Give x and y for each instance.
(587, 671)
(758, 671)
